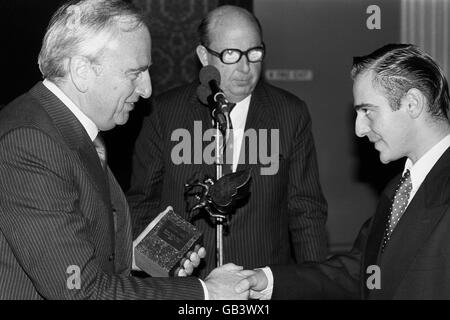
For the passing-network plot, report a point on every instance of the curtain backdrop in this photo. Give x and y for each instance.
(173, 26)
(426, 24)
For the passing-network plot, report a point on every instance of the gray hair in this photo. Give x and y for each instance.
(74, 28)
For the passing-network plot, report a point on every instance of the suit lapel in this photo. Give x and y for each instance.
(415, 227)
(122, 227)
(74, 135)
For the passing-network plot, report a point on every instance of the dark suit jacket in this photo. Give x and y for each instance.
(59, 209)
(414, 265)
(289, 204)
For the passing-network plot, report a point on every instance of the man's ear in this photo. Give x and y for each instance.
(202, 55)
(81, 72)
(415, 102)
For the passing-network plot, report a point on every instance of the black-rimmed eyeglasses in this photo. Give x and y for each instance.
(231, 56)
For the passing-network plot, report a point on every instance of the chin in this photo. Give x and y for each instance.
(241, 94)
(386, 158)
(122, 122)
(122, 119)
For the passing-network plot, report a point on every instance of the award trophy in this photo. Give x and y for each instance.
(220, 198)
(164, 243)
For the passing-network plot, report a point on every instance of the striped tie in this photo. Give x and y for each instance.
(101, 150)
(227, 166)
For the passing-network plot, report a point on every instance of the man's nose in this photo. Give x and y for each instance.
(144, 88)
(244, 64)
(361, 125)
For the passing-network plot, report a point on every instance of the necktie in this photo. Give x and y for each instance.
(101, 150)
(227, 166)
(398, 206)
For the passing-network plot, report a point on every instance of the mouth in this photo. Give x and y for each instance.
(375, 141)
(242, 81)
(130, 105)
(376, 145)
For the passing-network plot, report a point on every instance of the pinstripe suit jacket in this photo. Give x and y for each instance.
(414, 265)
(284, 208)
(59, 211)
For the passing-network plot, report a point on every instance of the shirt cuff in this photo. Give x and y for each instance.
(265, 294)
(205, 289)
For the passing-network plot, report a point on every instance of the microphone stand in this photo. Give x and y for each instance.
(219, 221)
(220, 157)
(210, 94)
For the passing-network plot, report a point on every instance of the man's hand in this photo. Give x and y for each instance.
(255, 281)
(221, 283)
(190, 261)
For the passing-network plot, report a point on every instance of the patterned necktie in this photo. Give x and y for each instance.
(398, 206)
(101, 150)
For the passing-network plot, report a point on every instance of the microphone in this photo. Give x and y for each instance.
(209, 93)
(210, 79)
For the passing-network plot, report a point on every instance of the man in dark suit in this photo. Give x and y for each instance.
(65, 230)
(402, 102)
(284, 218)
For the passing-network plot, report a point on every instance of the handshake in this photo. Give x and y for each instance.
(232, 282)
(228, 282)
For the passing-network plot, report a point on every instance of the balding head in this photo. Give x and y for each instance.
(232, 32)
(225, 16)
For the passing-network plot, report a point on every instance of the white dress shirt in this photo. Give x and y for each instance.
(238, 118)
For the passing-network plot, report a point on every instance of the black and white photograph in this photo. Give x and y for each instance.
(257, 150)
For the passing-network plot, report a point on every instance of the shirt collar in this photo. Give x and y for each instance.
(423, 166)
(87, 123)
(239, 113)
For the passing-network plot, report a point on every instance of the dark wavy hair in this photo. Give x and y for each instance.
(401, 67)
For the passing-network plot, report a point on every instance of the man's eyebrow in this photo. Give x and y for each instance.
(362, 105)
(140, 69)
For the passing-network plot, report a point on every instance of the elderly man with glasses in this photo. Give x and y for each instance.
(283, 221)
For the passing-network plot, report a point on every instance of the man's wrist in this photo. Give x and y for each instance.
(205, 289)
(265, 294)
